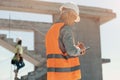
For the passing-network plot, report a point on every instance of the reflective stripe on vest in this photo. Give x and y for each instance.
(64, 69)
(59, 56)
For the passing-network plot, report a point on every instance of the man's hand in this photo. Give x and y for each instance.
(82, 47)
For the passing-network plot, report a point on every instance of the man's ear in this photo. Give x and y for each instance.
(63, 8)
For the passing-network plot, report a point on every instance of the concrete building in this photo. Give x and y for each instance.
(87, 31)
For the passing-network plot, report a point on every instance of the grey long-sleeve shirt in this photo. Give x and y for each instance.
(66, 42)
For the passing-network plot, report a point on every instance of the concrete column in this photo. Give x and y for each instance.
(56, 17)
(88, 32)
(39, 43)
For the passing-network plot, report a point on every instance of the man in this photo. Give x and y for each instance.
(62, 53)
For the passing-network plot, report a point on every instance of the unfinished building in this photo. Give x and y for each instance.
(87, 31)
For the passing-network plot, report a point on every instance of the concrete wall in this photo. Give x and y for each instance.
(88, 32)
(40, 39)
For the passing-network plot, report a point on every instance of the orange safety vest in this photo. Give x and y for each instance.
(59, 67)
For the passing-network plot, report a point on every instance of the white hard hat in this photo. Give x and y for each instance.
(73, 7)
(18, 39)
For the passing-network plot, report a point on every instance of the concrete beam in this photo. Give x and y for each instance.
(33, 6)
(19, 25)
(105, 61)
(28, 6)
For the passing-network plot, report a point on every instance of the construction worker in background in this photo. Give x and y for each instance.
(17, 59)
(62, 53)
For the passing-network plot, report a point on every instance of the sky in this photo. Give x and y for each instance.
(109, 33)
